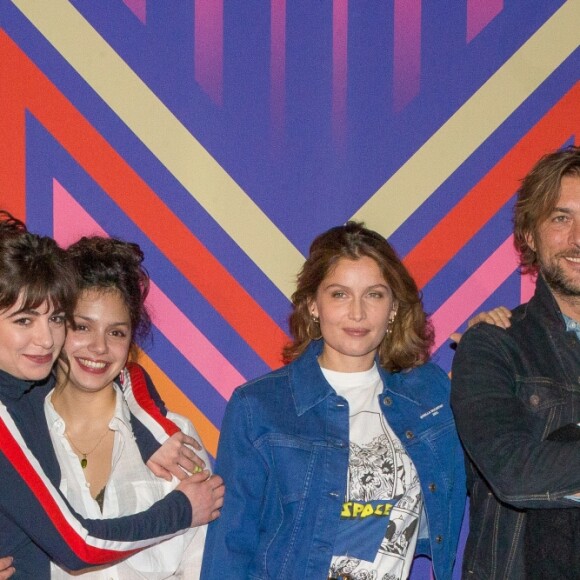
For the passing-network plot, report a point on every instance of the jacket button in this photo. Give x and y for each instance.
(388, 401)
(534, 400)
(409, 434)
(438, 539)
(432, 487)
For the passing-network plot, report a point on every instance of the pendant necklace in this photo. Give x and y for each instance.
(84, 461)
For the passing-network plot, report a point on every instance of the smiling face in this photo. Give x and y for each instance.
(30, 340)
(354, 304)
(98, 345)
(557, 245)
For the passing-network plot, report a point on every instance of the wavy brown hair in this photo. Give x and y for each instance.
(538, 196)
(411, 338)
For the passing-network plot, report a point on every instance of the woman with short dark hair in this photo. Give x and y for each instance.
(37, 293)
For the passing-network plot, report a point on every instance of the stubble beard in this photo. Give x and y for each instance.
(558, 281)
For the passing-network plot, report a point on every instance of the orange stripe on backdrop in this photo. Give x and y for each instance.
(177, 401)
(143, 206)
(12, 139)
(494, 190)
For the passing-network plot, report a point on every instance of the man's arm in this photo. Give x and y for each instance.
(496, 428)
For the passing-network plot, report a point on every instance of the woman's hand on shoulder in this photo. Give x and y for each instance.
(6, 568)
(500, 316)
(176, 457)
(205, 492)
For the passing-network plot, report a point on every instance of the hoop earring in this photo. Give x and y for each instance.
(314, 321)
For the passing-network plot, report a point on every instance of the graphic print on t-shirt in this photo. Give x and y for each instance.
(381, 510)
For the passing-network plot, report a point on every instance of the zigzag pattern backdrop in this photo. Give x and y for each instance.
(223, 136)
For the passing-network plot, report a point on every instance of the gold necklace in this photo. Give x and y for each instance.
(84, 461)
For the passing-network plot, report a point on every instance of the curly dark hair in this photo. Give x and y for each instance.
(411, 338)
(110, 264)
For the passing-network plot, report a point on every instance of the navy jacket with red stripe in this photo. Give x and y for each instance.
(36, 523)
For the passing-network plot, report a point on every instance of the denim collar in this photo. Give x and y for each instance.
(307, 383)
(546, 305)
(548, 308)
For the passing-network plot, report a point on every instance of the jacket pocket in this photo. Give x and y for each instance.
(443, 444)
(289, 498)
(552, 402)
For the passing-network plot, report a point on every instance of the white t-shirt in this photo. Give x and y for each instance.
(131, 488)
(380, 518)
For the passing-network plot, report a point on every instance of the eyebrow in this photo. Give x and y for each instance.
(89, 319)
(33, 312)
(22, 311)
(380, 285)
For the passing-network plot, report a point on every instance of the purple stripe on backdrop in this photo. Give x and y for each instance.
(479, 14)
(406, 52)
(339, 70)
(209, 47)
(277, 68)
(139, 8)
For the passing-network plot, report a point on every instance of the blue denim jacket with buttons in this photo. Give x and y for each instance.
(284, 452)
(511, 389)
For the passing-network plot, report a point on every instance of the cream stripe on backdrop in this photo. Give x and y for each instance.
(206, 181)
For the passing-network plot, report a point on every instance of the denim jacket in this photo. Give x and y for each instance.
(511, 389)
(284, 452)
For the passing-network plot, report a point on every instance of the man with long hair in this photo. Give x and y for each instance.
(516, 396)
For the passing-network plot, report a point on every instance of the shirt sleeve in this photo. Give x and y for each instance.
(232, 539)
(186, 426)
(524, 470)
(149, 420)
(458, 493)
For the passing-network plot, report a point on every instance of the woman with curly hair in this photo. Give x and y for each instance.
(103, 474)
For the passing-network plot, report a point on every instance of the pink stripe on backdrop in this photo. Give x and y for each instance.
(479, 14)
(406, 52)
(193, 345)
(71, 222)
(209, 47)
(474, 292)
(139, 8)
(277, 68)
(339, 69)
(528, 287)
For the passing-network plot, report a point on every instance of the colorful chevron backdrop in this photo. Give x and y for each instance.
(223, 135)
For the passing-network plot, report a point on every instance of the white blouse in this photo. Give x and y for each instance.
(131, 488)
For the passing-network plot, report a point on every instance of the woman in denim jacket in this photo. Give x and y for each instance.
(345, 463)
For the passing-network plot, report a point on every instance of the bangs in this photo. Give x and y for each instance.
(59, 296)
(57, 287)
(34, 270)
